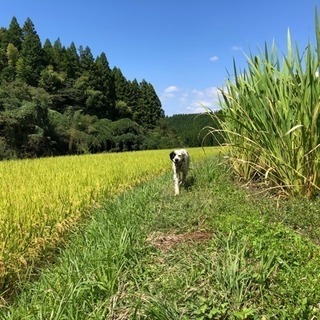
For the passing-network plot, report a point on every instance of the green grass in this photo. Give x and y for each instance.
(214, 252)
(41, 200)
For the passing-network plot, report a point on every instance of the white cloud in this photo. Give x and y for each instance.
(196, 109)
(212, 92)
(184, 98)
(198, 93)
(175, 101)
(236, 48)
(214, 58)
(170, 92)
(171, 89)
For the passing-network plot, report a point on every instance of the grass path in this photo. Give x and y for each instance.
(210, 253)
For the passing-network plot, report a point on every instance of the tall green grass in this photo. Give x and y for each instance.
(271, 118)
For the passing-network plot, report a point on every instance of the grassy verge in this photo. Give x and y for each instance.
(210, 253)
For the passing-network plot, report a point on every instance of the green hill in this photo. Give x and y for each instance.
(194, 128)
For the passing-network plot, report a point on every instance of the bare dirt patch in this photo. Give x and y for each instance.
(165, 242)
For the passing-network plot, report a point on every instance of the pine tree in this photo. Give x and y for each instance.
(13, 35)
(102, 73)
(48, 53)
(149, 110)
(72, 62)
(86, 59)
(105, 84)
(10, 44)
(58, 54)
(3, 55)
(133, 95)
(30, 63)
(120, 85)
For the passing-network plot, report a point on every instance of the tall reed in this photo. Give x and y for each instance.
(271, 118)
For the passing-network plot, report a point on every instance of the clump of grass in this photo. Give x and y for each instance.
(271, 118)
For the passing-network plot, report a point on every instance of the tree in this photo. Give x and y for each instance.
(71, 62)
(13, 95)
(194, 129)
(120, 85)
(58, 100)
(133, 96)
(58, 51)
(25, 129)
(104, 139)
(86, 59)
(103, 82)
(13, 35)
(123, 110)
(12, 55)
(10, 44)
(51, 80)
(81, 132)
(149, 110)
(30, 63)
(48, 53)
(9, 71)
(127, 134)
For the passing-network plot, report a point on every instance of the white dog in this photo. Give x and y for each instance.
(180, 165)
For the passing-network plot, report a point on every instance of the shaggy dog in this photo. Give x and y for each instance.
(180, 165)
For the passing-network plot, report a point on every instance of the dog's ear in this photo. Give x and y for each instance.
(172, 154)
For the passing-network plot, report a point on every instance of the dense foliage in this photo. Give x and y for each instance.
(196, 130)
(57, 100)
(272, 118)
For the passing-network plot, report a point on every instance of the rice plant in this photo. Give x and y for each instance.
(41, 199)
(271, 118)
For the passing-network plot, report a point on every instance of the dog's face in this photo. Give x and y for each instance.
(177, 157)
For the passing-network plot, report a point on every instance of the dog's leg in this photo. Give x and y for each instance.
(176, 185)
(183, 178)
(176, 181)
(176, 188)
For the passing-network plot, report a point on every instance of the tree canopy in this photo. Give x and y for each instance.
(62, 100)
(58, 100)
(196, 129)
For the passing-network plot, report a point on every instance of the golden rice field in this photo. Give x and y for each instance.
(42, 198)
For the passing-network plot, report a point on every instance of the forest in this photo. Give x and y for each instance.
(57, 100)
(197, 130)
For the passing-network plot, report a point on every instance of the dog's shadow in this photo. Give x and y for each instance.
(189, 183)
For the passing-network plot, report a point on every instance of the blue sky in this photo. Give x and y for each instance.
(184, 48)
